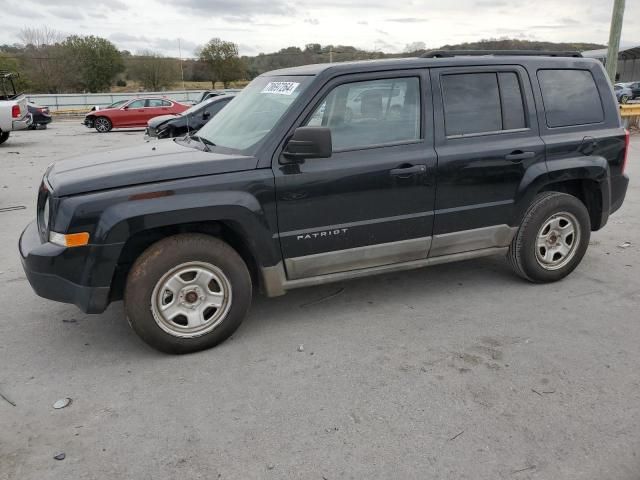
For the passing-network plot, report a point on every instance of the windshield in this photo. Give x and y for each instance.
(254, 112)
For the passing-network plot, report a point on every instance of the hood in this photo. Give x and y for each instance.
(98, 108)
(155, 122)
(150, 162)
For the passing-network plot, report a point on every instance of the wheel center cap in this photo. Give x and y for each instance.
(191, 297)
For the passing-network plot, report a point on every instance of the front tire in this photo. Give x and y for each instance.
(186, 293)
(552, 239)
(102, 124)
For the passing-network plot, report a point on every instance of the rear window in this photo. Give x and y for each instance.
(570, 97)
(476, 103)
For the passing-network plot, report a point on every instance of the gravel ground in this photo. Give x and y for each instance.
(460, 371)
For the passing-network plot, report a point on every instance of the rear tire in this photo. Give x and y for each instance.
(102, 124)
(552, 239)
(4, 136)
(186, 293)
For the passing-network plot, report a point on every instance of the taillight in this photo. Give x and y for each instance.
(15, 111)
(626, 150)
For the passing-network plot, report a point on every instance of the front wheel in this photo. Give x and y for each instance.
(552, 239)
(187, 293)
(4, 136)
(624, 98)
(102, 124)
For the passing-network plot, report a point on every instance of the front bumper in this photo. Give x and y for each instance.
(42, 119)
(150, 132)
(88, 123)
(58, 273)
(22, 124)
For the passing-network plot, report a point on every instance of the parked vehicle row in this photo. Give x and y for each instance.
(439, 160)
(14, 111)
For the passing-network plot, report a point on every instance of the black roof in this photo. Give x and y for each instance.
(417, 62)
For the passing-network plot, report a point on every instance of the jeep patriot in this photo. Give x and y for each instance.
(324, 173)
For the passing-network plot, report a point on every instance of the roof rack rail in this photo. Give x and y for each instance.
(513, 53)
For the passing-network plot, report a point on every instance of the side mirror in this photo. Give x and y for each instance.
(126, 107)
(309, 142)
(206, 115)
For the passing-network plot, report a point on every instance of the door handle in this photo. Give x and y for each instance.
(519, 155)
(405, 172)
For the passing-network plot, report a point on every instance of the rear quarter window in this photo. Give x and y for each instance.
(570, 97)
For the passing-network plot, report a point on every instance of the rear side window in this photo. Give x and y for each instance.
(570, 97)
(511, 99)
(477, 103)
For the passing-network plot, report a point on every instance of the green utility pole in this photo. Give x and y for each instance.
(614, 39)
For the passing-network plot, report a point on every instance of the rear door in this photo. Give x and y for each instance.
(132, 113)
(371, 202)
(155, 107)
(486, 138)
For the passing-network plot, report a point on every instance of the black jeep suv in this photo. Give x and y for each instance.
(328, 172)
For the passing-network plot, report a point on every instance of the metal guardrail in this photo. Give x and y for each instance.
(84, 101)
(630, 114)
(631, 110)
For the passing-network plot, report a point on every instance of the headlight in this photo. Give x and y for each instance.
(43, 210)
(45, 214)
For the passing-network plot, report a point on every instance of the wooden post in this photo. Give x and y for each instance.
(614, 39)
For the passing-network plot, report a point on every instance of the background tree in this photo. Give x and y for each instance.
(224, 63)
(415, 47)
(10, 63)
(154, 71)
(40, 59)
(93, 62)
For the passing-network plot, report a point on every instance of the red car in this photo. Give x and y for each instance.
(131, 113)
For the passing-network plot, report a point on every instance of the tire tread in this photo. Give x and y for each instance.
(514, 255)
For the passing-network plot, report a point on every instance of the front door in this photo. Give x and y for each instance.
(487, 139)
(371, 202)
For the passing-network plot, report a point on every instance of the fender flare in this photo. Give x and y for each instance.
(538, 176)
(236, 209)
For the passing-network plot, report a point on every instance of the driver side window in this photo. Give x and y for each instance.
(365, 114)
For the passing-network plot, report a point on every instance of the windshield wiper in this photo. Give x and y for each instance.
(205, 140)
(205, 143)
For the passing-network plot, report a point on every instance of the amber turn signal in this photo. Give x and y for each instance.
(69, 239)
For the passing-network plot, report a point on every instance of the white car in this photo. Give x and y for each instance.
(14, 113)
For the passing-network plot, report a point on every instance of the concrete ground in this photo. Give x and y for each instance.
(460, 371)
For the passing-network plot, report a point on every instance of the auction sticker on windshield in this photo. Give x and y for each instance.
(280, 88)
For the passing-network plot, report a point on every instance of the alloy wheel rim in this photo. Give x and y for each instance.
(557, 241)
(102, 125)
(191, 299)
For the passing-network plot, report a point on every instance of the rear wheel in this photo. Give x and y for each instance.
(4, 136)
(102, 124)
(187, 293)
(552, 239)
(624, 98)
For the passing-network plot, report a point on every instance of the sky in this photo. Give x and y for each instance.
(266, 26)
